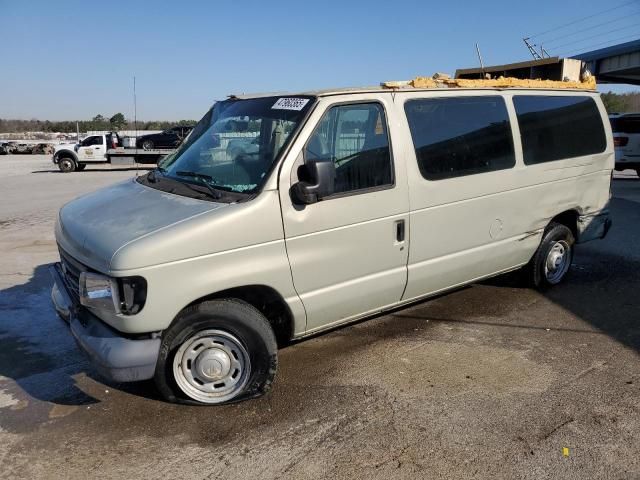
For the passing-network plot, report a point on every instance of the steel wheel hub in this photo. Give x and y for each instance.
(211, 366)
(557, 262)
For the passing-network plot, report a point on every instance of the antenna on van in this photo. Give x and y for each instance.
(480, 59)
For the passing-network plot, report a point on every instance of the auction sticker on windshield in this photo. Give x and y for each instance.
(288, 103)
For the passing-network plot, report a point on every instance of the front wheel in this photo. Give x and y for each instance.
(217, 352)
(147, 145)
(66, 165)
(552, 260)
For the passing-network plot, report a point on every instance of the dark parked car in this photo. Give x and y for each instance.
(170, 138)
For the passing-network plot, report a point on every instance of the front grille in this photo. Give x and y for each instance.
(71, 268)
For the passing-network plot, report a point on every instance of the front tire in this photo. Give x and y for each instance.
(147, 145)
(66, 165)
(217, 352)
(552, 260)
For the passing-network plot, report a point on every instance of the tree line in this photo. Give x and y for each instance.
(621, 102)
(99, 122)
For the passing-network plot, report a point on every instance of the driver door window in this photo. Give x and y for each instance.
(93, 140)
(355, 138)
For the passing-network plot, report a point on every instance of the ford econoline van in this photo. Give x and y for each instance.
(341, 204)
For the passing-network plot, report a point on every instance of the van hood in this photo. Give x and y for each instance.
(94, 227)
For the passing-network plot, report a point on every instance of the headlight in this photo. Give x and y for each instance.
(126, 295)
(99, 291)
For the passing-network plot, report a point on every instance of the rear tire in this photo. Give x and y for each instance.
(147, 145)
(552, 260)
(66, 165)
(217, 352)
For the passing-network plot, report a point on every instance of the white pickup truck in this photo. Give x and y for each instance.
(105, 148)
(93, 149)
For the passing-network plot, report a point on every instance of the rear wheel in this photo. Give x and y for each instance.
(147, 145)
(217, 352)
(552, 259)
(66, 165)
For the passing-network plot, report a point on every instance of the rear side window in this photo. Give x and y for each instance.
(625, 124)
(460, 136)
(355, 138)
(558, 127)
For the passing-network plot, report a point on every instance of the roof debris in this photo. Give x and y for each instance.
(440, 80)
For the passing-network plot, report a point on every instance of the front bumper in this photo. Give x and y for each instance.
(114, 356)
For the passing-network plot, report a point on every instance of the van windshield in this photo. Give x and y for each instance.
(234, 146)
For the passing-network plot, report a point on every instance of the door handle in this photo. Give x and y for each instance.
(399, 231)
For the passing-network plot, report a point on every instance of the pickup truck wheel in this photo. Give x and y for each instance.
(217, 352)
(66, 165)
(147, 145)
(552, 259)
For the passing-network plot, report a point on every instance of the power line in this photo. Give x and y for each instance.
(595, 36)
(617, 19)
(583, 18)
(582, 49)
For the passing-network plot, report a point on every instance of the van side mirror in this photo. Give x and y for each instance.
(318, 179)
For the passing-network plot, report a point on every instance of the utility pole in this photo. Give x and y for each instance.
(135, 108)
(480, 59)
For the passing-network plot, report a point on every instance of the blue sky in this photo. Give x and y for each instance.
(73, 60)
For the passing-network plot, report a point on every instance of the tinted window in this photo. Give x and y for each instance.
(93, 140)
(355, 137)
(625, 124)
(460, 136)
(557, 127)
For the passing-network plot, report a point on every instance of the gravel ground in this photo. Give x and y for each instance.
(491, 381)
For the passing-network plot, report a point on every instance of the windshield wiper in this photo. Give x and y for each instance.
(204, 179)
(187, 173)
(207, 179)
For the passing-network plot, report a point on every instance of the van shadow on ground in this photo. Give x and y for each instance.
(37, 350)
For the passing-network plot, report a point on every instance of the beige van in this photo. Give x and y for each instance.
(285, 215)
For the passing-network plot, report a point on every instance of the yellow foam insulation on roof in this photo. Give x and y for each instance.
(501, 82)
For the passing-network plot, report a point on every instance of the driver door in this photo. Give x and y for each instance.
(348, 252)
(92, 149)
